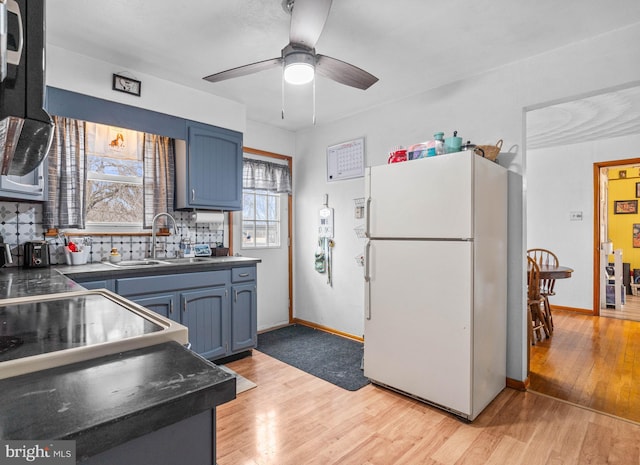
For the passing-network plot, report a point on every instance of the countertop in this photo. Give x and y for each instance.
(24, 282)
(105, 402)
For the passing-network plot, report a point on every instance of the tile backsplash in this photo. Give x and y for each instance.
(21, 222)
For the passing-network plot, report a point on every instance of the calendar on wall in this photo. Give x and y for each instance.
(346, 160)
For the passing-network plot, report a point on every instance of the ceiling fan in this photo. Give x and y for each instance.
(299, 59)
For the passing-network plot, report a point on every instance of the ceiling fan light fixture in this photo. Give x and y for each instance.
(299, 73)
(299, 66)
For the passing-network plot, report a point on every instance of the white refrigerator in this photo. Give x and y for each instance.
(435, 280)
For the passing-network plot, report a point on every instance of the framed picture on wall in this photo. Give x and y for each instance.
(637, 189)
(623, 207)
(636, 235)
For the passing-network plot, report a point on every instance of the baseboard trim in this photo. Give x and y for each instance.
(518, 385)
(327, 329)
(584, 311)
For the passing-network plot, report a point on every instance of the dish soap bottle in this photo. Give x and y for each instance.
(115, 257)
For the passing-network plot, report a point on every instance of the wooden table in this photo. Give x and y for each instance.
(554, 272)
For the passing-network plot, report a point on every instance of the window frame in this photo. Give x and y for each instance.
(265, 193)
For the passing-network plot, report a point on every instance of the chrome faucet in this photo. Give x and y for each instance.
(153, 231)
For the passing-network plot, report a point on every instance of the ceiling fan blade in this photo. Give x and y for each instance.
(244, 70)
(307, 21)
(344, 73)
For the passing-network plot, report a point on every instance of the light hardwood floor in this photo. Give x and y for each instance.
(629, 311)
(293, 418)
(591, 361)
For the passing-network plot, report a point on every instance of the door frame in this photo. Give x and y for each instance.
(289, 161)
(596, 223)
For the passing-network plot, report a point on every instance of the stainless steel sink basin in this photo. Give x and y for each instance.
(125, 263)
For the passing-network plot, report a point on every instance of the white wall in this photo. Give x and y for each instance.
(483, 109)
(559, 181)
(88, 76)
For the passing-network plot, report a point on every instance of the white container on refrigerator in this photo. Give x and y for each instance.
(435, 272)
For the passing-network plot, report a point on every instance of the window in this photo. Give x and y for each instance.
(260, 219)
(114, 185)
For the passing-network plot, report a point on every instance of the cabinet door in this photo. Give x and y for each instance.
(206, 314)
(162, 304)
(243, 317)
(214, 168)
(31, 186)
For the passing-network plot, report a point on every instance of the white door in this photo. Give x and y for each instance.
(273, 271)
(418, 319)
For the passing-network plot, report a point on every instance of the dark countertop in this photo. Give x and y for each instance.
(21, 282)
(106, 271)
(105, 402)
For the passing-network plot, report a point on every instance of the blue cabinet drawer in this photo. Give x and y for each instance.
(245, 273)
(153, 284)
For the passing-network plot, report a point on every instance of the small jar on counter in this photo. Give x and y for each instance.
(115, 256)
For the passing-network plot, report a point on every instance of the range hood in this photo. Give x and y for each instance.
(26, 129)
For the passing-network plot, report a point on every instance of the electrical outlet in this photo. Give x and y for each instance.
(575, 216)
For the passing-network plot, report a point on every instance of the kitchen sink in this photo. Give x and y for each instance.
(125, 263)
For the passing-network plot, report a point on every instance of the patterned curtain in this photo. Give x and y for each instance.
(159, 155)
(66, 198)
(258, 174)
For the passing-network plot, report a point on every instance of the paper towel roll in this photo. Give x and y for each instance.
(208, 217)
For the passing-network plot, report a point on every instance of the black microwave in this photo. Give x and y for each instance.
(26, 129)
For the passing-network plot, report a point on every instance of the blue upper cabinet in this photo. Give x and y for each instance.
(209, 169)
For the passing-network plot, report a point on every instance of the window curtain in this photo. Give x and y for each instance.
(66, 198)
(264, 175)
(159, 155)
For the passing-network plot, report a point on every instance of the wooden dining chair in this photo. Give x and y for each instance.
(547, 258)
(536, 320)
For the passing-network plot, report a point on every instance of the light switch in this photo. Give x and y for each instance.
(575, 216)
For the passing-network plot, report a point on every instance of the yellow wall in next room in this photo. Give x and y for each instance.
(621, 225)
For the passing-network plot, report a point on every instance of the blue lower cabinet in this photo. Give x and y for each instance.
(243, 316)
(162, 304)
(206, 314)
(219, 308)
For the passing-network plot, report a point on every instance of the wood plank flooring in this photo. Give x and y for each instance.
(591, 361)
(629, 311)
(293, 418)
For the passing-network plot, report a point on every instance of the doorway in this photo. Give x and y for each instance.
(568, 143)
(275, 307)
(616, 222)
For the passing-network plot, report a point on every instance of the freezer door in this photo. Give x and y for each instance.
(425, 198)
(418, 326)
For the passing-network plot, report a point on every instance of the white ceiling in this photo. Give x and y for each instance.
(410, 45)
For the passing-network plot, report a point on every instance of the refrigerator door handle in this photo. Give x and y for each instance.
(367, 213)
(367, 281)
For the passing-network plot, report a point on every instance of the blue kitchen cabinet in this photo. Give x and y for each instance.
(219, 308)
(206, 314)
(163, 304)
(209, 169)
(243, 316)
(30, 187)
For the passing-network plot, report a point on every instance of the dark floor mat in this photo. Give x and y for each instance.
(333, 358)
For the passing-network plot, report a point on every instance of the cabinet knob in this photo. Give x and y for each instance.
(193, 195)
